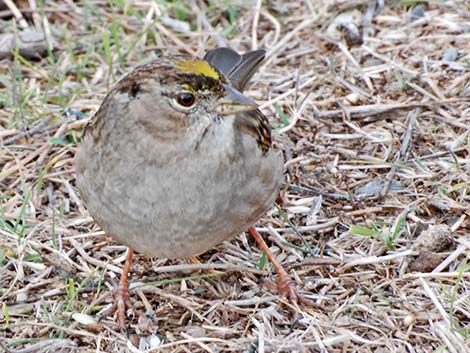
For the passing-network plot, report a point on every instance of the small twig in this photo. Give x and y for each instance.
(313, 228)
(438, 154)
(277, 48)
(297, 115)
(252, 301)
(176, 299)
(92, 260)
(390, 62)
(17, 13)
(198, 267)
(179, 43)
(199, 343)
(276, 238)
(439, 275)
(378, 109)
(351, 58)
(461, 249)
(254, 28)
(219, 40)
(437, 303)
(403, 148)
(315, 261)
(294, 228)
(312, 192)
(289, 92)
(45, 345)
(373, 260)
(364, 211)
(276, 25)
(35, 13)
(38, 129)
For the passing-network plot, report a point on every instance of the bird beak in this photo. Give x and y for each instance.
(234, 102)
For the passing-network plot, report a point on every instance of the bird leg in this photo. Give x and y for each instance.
(285, 285)
(122, 292)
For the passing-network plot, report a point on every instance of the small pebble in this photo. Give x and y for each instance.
(375, 187)
(436, 238)
(427, 261)
(84, 319)
(409, 320)
(154, 341)
(417, 12)
(75, 113)
(450, 55)
(352, 98)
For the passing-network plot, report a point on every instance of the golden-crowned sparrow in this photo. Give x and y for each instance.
(177, 159)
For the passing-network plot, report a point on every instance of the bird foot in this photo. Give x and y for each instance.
(118, 308)
(287, 288)
(285, 285)
(121, 296)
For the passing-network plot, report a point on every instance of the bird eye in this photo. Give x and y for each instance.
(185, 99)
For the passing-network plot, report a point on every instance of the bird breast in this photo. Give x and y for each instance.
(185, 206)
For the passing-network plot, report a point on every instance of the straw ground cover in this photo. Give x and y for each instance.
(370, 105)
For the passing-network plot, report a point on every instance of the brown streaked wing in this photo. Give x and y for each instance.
(257, 125)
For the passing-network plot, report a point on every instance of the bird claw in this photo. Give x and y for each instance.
(287, 288)
(122, 303)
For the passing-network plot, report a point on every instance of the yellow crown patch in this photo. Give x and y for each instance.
(198, 67)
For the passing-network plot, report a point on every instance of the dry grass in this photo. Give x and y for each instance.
(374, 223)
